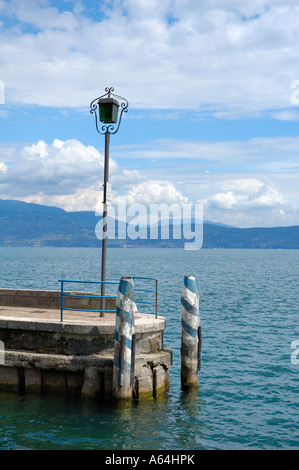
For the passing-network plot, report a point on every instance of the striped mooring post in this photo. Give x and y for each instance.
(124, 341)
(191, 335)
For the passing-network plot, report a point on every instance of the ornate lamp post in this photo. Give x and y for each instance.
(106, 110)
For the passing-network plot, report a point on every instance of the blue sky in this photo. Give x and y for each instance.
(213, 104)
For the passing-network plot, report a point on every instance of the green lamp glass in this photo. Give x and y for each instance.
(108, 110)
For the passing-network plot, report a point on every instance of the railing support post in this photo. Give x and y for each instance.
(156, 298)
(191, 335)
(61, 302)
(123, 373)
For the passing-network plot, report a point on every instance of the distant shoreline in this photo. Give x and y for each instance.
(33, 225)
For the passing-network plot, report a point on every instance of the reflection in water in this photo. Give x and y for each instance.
(169, 422)
(39, 422)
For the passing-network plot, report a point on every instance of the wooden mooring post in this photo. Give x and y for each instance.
(124, 341)
(191, 335)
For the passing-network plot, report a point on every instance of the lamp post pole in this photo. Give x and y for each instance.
(105, 220)
(105, 108)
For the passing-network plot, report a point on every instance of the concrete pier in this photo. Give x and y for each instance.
(74, 357)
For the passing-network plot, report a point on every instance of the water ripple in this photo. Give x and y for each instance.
(248, 388)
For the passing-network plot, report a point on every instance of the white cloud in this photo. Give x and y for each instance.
(68, 174)
(244, 185)
(287, 115)
(246, 194)
(40, 14)
(262, 154)
(3, 167)
(227, 57)
(154, 192)
(82, 199)
(250, 202)
(223, 200)
(267, 196)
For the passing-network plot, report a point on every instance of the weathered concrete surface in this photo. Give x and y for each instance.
(86, 376)
(75, 337)
(75, 357)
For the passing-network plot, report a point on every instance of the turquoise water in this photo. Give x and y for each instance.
(248, 394)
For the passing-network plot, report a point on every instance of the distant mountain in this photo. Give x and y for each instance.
(25, 224)
(231, 237)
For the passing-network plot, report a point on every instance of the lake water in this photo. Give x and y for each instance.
(248, 394)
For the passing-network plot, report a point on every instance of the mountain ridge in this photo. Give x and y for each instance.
(29, 224)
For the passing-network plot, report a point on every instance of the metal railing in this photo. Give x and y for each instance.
(63, 294)
(102, 311)
(155, 291)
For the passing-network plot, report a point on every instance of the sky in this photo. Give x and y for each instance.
(213, 116)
